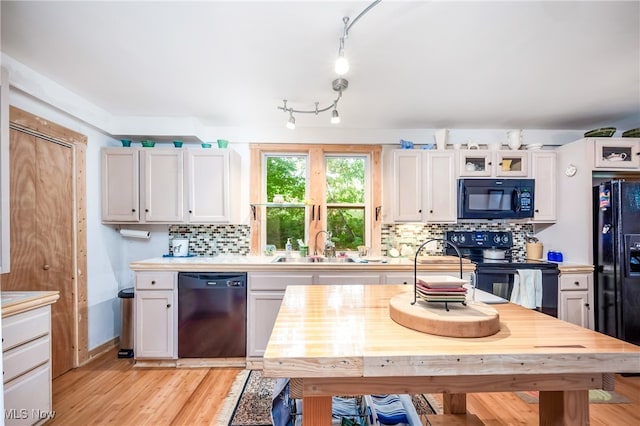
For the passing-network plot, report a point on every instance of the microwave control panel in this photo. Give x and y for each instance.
(482, 239)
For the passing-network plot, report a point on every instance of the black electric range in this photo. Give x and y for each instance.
(497, 276)
(473, 243)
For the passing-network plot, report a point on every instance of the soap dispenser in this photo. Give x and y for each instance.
(288, 248)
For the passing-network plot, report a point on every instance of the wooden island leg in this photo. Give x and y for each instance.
(559, 408)
(454, 403)
(316, 410)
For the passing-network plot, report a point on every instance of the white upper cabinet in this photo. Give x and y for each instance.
(543, 170)
(163, 184)
(484, 163)
(617, 154)
(208, 186)
(166, 185)
(441, 187)
(142, 185)
(120, 185)
(424, 186)
(407, 186)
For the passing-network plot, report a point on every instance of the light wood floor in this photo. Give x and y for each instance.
(110, 391)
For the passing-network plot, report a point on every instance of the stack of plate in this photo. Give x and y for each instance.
(441, 289)
(632, 133)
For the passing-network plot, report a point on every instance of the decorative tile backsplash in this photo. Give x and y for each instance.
(414, 234)
(213, 240)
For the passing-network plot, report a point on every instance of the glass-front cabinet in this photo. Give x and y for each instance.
(479, 163)
(617, 154)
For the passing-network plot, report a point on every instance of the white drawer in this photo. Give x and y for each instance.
(26, 326)
(27, 399)
(574, 282)
(25, 357)
(278, 281)
(156, 280)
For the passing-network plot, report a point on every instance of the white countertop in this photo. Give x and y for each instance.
(225, 263)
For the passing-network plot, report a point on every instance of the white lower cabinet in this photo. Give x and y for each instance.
(576, 299)
(156, 315)
(265, 294)
(26, 357)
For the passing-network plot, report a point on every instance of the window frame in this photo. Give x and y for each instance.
(316, 154)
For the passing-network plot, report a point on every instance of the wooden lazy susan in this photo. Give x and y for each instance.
(472, 320)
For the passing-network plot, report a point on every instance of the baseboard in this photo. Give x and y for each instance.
(101, 350)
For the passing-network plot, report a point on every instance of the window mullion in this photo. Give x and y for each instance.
(317, 194)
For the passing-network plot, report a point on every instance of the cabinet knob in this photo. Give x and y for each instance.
(153, 283)
(489, 163)
(499, 164)
(190, 211)
(46, 267)
(537, 211)
(133, 210)
(586, 305)
(430, 211)
(146, 210)
(420, 211)
(576, 282)
(169, 305)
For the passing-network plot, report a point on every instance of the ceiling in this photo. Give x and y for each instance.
(414, 64)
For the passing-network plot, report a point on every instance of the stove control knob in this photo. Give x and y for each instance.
(496, 239)
(462, 238)
(505, 238)
(454, 238)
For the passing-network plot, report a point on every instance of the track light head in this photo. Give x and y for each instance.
(335, 117)
(291, 123)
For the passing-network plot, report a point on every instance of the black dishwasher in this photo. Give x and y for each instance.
(212, 314)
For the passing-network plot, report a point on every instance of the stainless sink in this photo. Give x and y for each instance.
(313, 259)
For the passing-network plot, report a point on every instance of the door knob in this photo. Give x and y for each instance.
(45, 267)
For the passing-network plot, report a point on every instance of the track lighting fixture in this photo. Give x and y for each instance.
(339, 85)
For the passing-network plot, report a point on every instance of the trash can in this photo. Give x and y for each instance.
(126, 323)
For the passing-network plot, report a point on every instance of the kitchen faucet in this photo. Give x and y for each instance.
(315, 244)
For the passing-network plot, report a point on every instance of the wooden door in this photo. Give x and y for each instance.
(42, 233)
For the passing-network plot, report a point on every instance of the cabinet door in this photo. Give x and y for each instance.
(441, 187)
(617, 154)
(263, 307)
(120, 185)
(163, 185)
(407, 189)
(27, 399)
(208, 185)
(543, 170)
(511, 163)
(475, 163)
(575, 308)
(156, 324)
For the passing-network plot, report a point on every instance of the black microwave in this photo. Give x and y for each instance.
(495, 198)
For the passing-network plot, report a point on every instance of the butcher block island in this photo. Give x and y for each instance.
(340, 340)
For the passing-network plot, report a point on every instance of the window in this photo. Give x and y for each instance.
(299, 190)
(286, 183)
(346, 195)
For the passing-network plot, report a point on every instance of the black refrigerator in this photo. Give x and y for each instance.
(616, 256)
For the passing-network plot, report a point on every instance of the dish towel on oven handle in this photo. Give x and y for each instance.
(527, 288)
